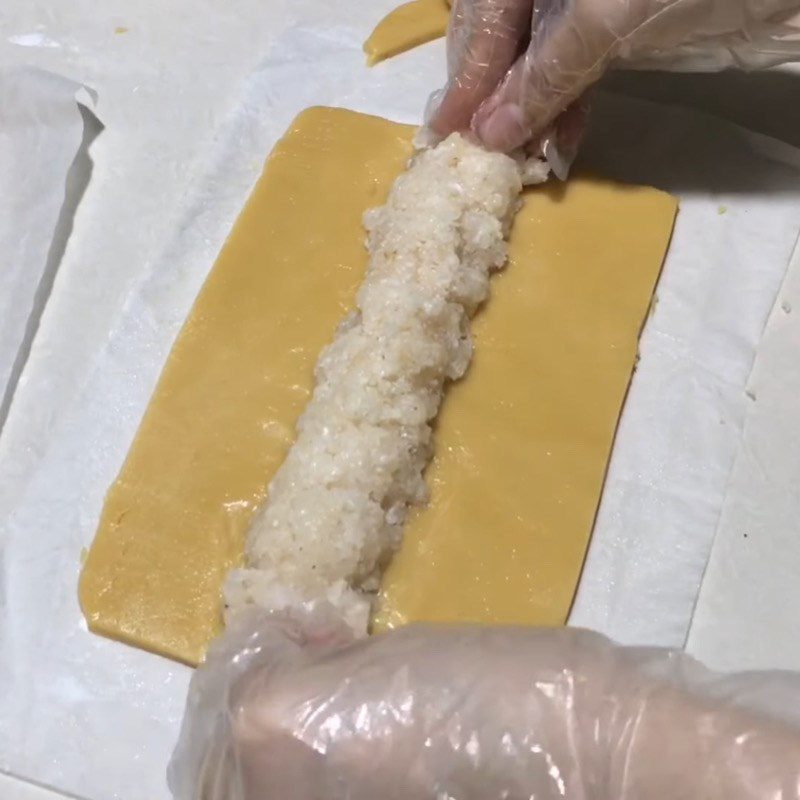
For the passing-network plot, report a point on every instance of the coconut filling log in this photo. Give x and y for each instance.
(335, 509)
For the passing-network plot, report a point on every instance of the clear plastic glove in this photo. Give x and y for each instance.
(515, 65)
(296, 709)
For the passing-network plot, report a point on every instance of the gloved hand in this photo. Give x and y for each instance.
(508, 98)
(291, 710)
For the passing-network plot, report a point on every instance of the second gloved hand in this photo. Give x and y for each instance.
(515, 65)
(296, 709)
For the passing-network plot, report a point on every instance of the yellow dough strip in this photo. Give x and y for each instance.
(407, 26)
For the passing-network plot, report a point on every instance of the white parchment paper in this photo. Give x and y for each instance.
(41, 134)
(736, 229)
(98, 719)
(747, 613)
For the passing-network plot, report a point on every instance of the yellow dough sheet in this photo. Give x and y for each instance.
(522, 443)
(407, 26)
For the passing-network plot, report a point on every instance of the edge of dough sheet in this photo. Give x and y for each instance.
(222, 415)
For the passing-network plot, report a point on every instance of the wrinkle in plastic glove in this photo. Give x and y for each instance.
(292, 707)
(507, 99)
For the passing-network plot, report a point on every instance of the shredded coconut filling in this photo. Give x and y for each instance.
(335, 509)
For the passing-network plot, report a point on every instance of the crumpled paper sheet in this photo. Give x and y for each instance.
(748, 611)
(43, 171)
(99, 719)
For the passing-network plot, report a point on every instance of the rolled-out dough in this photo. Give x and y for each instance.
(522, 443)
